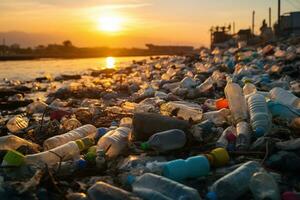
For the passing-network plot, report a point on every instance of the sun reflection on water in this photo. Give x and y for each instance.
(110, 62)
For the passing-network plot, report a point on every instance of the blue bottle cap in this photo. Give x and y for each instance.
(100, 132)
(81, 164)
(130, 179)
(211, 196)
(114, 123)
(259, 132)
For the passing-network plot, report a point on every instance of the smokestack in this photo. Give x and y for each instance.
(270, 17)
(253, 21)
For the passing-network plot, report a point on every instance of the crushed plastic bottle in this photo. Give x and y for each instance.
(101, 191)
(17, 123)
(234, 184)
(227, 137)
(243, 139)
(236, 100)
(259, 115)
(217, 117)
(151, 186)
(12, 142)
(166, 140)
(284, 97)
(69, 167)
(192, 167)
(75, 134)
(115, 141)
(264, 186)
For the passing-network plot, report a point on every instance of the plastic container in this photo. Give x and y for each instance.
(203, 130)
(218, 157)
(114, 142)
(68, 151)
(259, 115)
(102, 191)
(248, 89)
(263, 186)
(234, 184)
(205, 86)
(166, 140)
(228, 136)
(69, 167)
(78, 133)
(285, 97)
(12, 142)
(151, 186)
(283, 111)
(243, 136)
(236, 100)
(192, 167)
(17, 123)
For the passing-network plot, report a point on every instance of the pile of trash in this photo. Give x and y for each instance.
(222, 124)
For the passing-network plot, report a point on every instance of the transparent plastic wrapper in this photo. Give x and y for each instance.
(75, 134)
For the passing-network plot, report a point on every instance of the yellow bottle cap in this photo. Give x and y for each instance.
(218, 157)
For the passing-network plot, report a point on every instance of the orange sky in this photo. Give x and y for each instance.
(143, 21)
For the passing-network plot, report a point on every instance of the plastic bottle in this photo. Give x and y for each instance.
(218, 117)
(205, 86)
(12, 142)
(69, 167)
(218, 157)
(285, 97)
(78, 133)
(114, 142)
(249, 88)
(283, 111)
(259, 115)
(236, 100)
(192, 167)
(203, 130)
(146, 124)
(71, 124)
(166, 140)
(17, 123)
(234, 184)
(102, 191)
(228, 137)
(151, 186)
(263, 186)
(243, 139)
(68, 151)
(36, 107)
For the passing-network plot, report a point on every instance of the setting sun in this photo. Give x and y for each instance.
(110, 23)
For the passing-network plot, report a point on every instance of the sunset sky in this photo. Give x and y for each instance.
(127, 23)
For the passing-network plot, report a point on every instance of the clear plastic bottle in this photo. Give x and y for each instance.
(151, 186)
(234, 184)
(285, 97)
(205, 86)
(259, 115)
(236, 100)
(114, 142)
(68, 151)
(101, 190)
(243, 139)
(12, 142)
(166, 140)
(249, 88)
(69, 167)
(17, 123)
(263, 186)
(75, 134)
